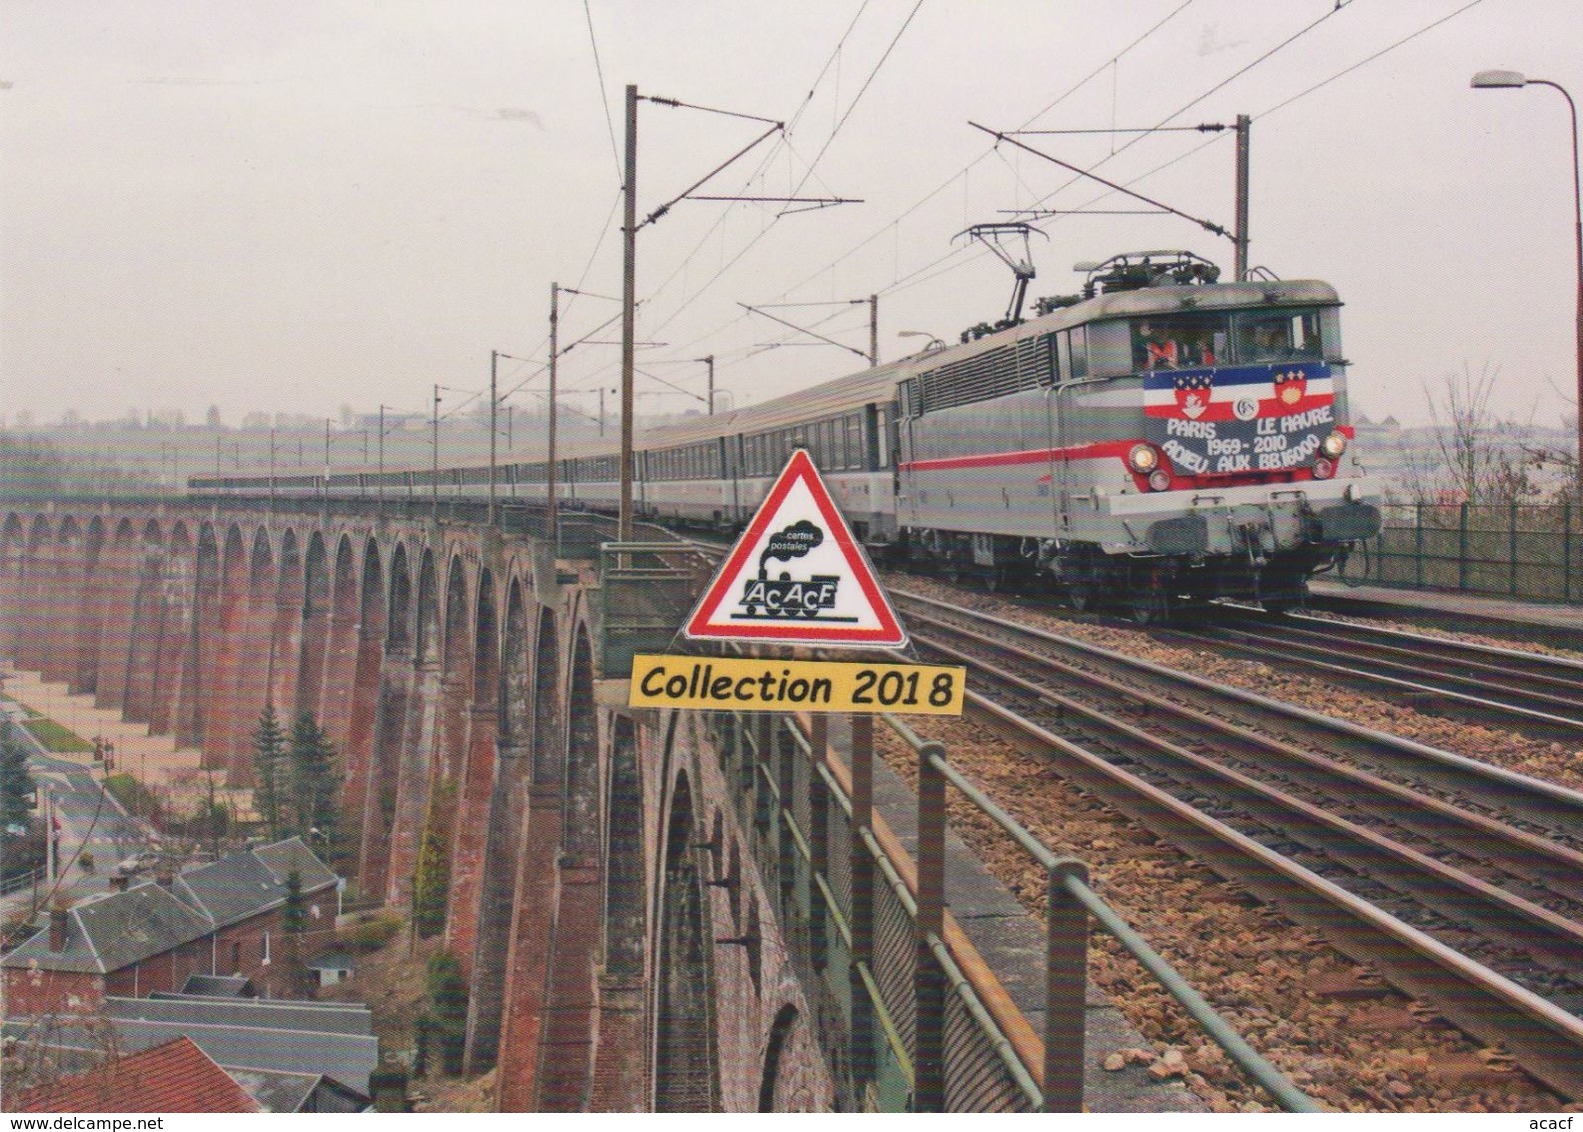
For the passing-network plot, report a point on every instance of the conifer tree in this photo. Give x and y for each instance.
(314, 783)
(269, 771)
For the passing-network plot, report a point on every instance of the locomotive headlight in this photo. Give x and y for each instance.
(1323, 469)
(1143, 459)
(1159, 479)
(1334, 445)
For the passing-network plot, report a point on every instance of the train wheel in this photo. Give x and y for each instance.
(1080, 598)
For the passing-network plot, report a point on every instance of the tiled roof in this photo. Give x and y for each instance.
(175, 1076)
(231, 889)
(244, 884)
(298, 1092)
(256, 1013)
(284, 856)
(115, 930)
(349, 1058)
(220, 986)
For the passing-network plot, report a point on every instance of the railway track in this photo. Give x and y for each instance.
(1467, 901)
(1498, 687)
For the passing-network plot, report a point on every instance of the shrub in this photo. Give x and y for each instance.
(372, 934)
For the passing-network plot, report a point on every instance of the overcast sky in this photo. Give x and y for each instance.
(296, 206)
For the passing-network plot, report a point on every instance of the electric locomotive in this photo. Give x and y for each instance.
(1154, 443)
(1159, 441)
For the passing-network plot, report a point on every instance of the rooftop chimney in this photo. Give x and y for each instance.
(119, 882)
(57, 927)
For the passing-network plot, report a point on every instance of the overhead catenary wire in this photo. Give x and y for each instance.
(893, 225)
(956, 257)
(604, 95)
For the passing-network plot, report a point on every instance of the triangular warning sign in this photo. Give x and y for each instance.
(797, 576)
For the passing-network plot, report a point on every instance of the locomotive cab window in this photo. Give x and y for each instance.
(1109, 349)
(1180, 341)
(1281, 336)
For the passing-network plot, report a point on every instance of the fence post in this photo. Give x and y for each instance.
(928, 1057)
(861, 913)
(1462, 548)
(1566, 550)
(1511, 547)
(1418, 544)
(1065, 987)
(818, 842)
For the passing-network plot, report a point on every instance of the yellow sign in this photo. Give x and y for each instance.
(734, 684)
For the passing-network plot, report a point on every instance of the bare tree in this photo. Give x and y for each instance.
(1480, 457)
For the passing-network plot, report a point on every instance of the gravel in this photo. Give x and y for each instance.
(1328, 1023)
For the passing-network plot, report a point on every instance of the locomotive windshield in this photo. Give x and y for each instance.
(1201, 339)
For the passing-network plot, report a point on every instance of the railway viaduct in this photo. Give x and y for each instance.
(638, 926)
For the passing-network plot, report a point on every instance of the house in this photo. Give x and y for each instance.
(332, 967)
(219, 919)
(292, 1056)
(174, 1076)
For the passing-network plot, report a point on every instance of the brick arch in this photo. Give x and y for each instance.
(508, 802)
(397, 678)
(625, 920)
(251, 686)
(621, 1059)
(457, 649)
(686, 1060)
(772, 1091)
(222, 725)
(174, 632)
(399, 630)
(144, 617)
(567, 1043)
(338, 682)
(13, 576)
(119, 581)
(368, 766)
(533, 901)
(470, 828)
(32, 608)
(64, 578)
(426, 637)
(202, 644)
(419, 736)
(285, 649)
(88, 616)
(315, 627)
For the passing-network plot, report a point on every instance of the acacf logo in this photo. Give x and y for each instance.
(827, 593)
(766, 598)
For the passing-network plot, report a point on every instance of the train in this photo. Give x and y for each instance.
(1159, 441)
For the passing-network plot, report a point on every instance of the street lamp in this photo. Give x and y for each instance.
(934, 343)
(1508, 80)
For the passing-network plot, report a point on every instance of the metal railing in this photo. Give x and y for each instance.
(1069, 903)
(1509, 550)
(29, 879)
(928, 1025)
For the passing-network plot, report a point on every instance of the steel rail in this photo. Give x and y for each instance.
(1545, 1039)
(1470, 832)
(1547, 804)
(1500, 655)
(1485, 688)
(1450, 891)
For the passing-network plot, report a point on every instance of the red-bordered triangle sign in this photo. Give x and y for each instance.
(797, 576)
